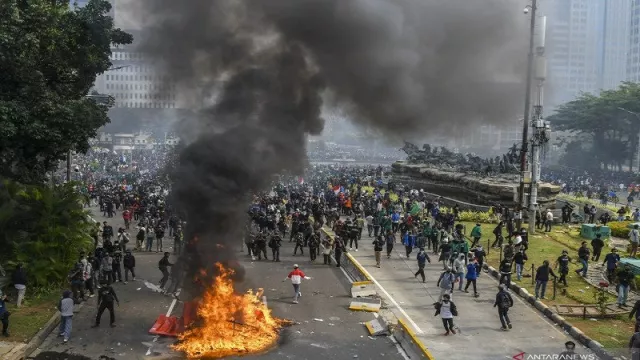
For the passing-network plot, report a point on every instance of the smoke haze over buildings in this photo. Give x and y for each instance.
(405, 67)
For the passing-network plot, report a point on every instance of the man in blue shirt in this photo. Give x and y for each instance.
(4, 314)
(611, 260)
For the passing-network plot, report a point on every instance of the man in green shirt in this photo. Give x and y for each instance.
(476, 234)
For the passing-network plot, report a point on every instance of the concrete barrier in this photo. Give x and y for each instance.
(410, 343)
(363, 288)
(403, 334)
(366, 304)
(377, 326)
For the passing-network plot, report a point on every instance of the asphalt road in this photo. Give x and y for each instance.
(339, 335)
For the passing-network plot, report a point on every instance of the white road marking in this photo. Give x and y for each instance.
(399, 347)
(173, 304)
(393, 301)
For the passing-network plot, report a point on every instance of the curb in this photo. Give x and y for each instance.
(402, 333)
(573, 331)
(22, 352)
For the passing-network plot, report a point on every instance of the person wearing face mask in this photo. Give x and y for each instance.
(447, 310)
(446, 282)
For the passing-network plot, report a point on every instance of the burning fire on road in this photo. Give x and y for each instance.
(229, 323)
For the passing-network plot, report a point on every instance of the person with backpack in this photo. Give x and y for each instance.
(458, 269)
(129, 262)
(447, 310)
(65, 306)
(422, 258)
(77, 282)
(504, 302)
(479, 255)
(505, 272)
(583, 255)
(164, 265)
(106, 297)
(519, 259)
(275, 243)
(446, 282)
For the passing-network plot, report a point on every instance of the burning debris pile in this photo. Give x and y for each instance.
(230, 323)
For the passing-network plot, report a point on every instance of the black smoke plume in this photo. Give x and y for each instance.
(259, 70)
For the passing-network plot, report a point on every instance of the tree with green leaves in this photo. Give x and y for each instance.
(44, 228)
(605, 127)
(50, 56)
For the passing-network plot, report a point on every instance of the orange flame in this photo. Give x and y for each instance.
(231, 324)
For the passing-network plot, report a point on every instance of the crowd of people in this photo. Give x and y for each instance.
(351, 201)
(356, 201)
(123, 191)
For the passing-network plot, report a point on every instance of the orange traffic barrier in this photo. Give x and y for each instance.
(171, 325)
(165, 326)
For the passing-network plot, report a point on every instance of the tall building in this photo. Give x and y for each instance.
(633, 56)
(615, 42)
(134, 82)
(574, 60)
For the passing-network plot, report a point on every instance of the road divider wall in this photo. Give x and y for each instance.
(361, 283)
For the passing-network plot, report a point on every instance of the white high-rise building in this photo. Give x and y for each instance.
(633, 56)
(616, 42)
(574, 29)
(134, 82)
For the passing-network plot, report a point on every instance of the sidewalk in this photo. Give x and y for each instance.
(480, 337)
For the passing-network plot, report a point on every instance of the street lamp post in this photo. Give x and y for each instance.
(527, 105)
(638, 144)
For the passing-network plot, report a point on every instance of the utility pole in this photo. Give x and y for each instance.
(527, 106)
(541, 131)
(69, 166)
(638, 145)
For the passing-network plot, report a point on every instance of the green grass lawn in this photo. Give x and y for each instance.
(543, 246)
(27, 320)
(611, 333)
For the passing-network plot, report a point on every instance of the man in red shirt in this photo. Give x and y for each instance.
(126, 216)
(296, 277)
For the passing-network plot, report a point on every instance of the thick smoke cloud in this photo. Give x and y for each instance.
(402, 66)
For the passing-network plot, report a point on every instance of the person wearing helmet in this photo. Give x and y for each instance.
(296, 277)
